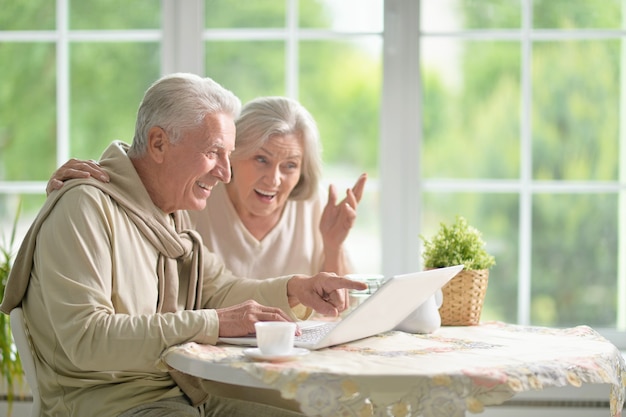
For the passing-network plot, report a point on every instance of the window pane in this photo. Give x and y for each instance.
(25, 207)
(574, 260)
(114, 14)
(344, 15)
(448, 15)
(496, 217)
(575, 110)
(471, 109)
(250, 69)
(28, 103)
(340, 85)
(27, 15)
(245, 13)
(105, 97)
(576, 14)
(363, 242)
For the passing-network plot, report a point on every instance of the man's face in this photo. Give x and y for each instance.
(198, 162)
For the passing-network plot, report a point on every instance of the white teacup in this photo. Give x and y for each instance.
(275, 337)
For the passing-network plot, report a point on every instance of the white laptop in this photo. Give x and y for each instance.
(382, 311)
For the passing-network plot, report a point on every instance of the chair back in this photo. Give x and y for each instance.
(24, 349)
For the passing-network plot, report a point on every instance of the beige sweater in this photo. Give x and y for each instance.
(108, 282)
(293, 246)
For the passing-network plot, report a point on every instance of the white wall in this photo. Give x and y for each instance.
(20, 409)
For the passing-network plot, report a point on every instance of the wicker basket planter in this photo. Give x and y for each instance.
(460, 244)
(463, 298)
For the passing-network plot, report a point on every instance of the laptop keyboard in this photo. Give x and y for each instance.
(314, 333)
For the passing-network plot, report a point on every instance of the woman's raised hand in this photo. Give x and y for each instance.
(338, 219)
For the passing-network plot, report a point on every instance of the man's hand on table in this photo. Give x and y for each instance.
(238, 320)
(325, 292)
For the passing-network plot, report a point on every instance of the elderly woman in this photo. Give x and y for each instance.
(270, 219)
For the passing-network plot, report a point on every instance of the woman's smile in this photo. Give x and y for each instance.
(265, 195)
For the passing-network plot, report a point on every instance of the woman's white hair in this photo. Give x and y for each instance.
(265, 117)
(177, 102)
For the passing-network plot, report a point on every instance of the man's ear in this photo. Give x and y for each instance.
(158, 143)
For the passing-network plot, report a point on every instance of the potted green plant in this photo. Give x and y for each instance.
(454, 244)
(11, 372)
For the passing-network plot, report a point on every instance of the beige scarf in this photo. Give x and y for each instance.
(174, 242)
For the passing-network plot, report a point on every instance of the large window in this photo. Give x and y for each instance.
(518, 128)
(507, 112)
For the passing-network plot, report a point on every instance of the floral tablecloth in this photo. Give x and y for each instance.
(448, 372)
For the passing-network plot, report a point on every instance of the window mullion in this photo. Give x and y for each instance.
(526, 195)
(62, 80)
(182, 48)
(400, 138)
(621, 236)
(292, 50)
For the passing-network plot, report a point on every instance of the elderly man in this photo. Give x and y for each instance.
(110, 274)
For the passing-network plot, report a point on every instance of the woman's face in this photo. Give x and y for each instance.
(262, 182)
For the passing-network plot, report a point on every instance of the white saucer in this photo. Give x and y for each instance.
(255, 353)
